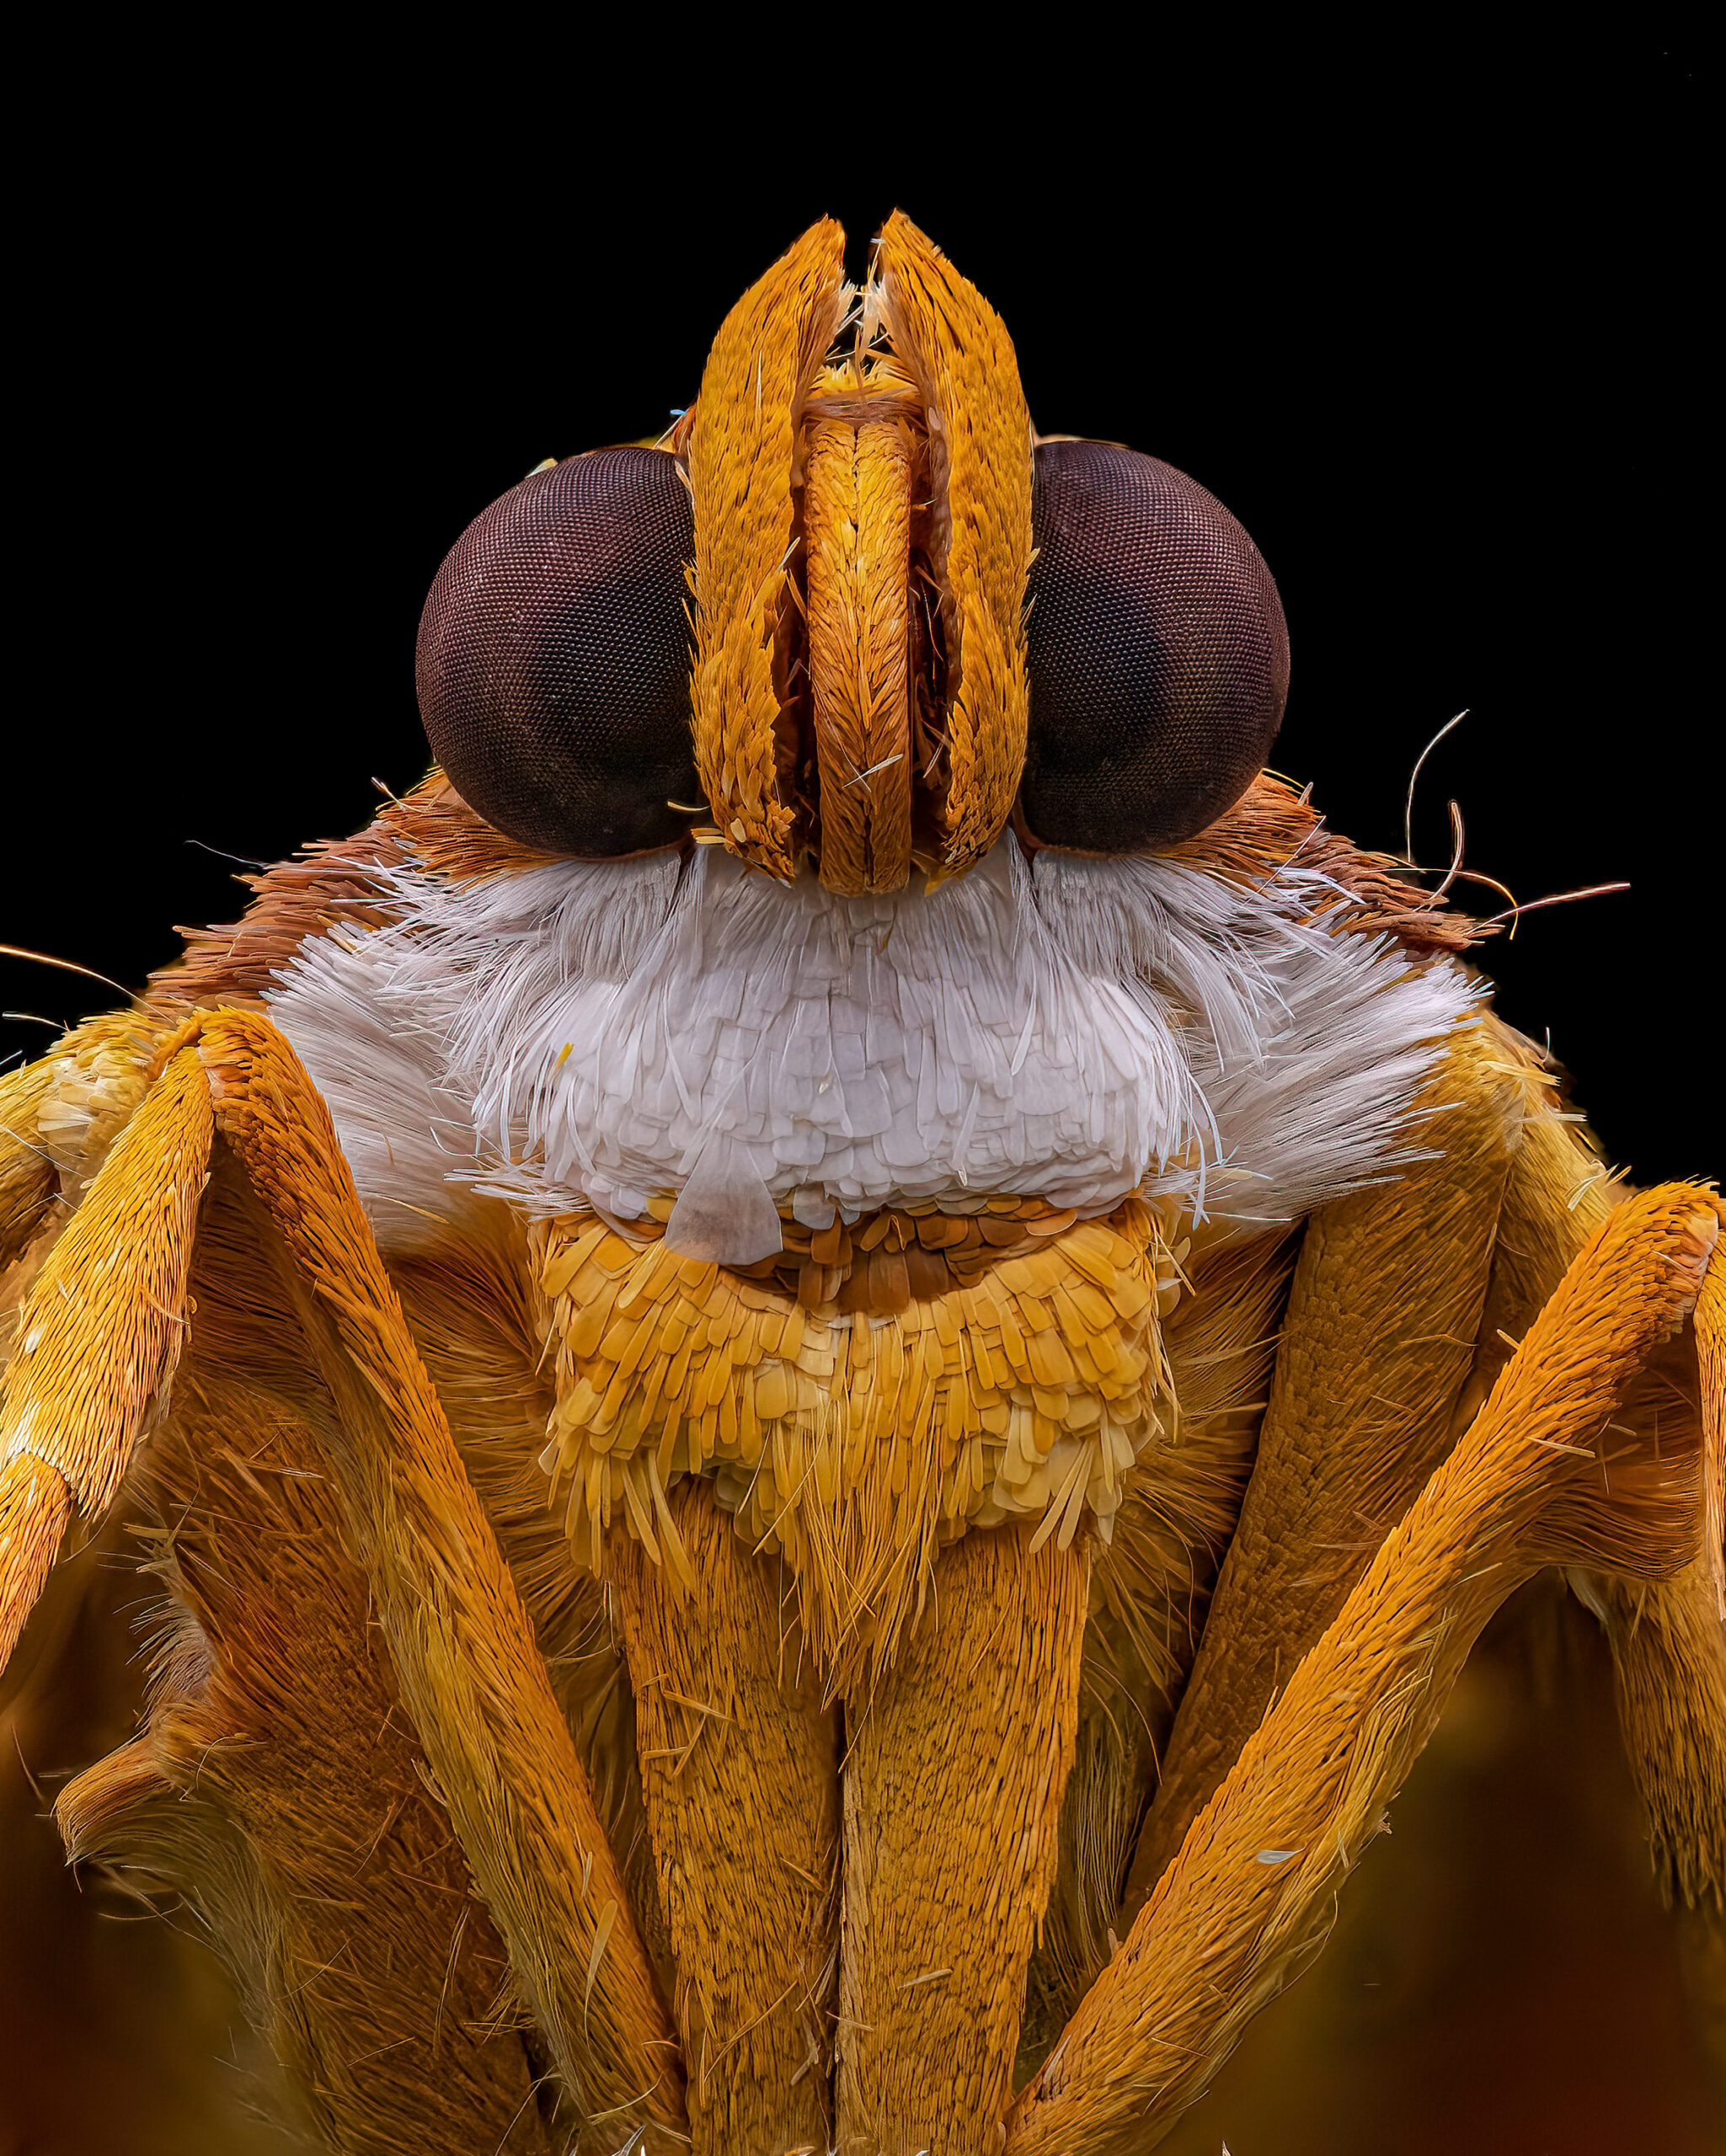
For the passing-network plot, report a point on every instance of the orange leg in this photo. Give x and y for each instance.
(739, 1772)
(91, 1366)
(954, 1769)
(1382, 1314)
(277, 1786)
(1252, 1884)
(470, 1671)
(99, 1336)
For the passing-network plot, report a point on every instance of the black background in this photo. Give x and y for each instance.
(1427, 319)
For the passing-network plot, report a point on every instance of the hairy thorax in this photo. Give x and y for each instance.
(864, 1208)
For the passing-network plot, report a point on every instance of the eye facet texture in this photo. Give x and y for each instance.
(554, 658)
(1158, 654)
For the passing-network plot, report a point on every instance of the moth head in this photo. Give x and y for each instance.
(853, 613)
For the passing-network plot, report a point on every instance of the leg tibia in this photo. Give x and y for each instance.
(99, 1334)
(1382, 1319)
(741, 1775)
(471, 1674)
(35, 1508)
(954, 1769)
(279, 1789)
(1253, 1882)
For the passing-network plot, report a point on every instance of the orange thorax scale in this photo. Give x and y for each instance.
(864, 1395)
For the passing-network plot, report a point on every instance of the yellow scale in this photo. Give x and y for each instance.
(856, 1440)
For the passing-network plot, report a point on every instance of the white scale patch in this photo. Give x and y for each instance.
(1060, 1027)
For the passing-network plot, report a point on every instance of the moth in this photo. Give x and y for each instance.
(826, 1363)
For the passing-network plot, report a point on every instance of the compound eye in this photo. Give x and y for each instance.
(553, 664)
(1157, 651)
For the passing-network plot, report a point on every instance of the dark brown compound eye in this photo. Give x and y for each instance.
(553, 658)
(1158, 655)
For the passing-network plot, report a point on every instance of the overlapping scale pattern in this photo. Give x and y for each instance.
(855, 1440)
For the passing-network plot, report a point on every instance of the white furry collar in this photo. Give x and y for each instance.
(1063, 1027)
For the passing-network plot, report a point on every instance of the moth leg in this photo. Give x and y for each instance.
(100, 1335)
(1382, 1316)
(36, 1506)
(954, 1766)
(1668, 1637)
(470, 1671)
(277, 1787)
(469, 1307)
(1151, 1587)
(1668, 1658)
(1668, 1640)
(1252, 1884)
(739, 1767)
(100, 1331)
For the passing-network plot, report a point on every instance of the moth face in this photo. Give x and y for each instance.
(851, 619)
(854, 615)
(861, 1030)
